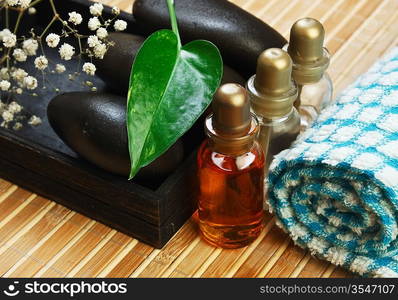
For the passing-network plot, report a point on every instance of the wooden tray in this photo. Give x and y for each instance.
(36, 159)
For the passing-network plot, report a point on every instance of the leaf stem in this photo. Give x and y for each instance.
(173, 19)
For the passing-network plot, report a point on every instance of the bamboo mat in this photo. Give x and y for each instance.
(39, 238)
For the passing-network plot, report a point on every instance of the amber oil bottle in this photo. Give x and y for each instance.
(272, 94)
(310, 62)
(231, 172)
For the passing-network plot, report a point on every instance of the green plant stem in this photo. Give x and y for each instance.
(20, 14)
(53, 7)
(48, 27)
(173, 19)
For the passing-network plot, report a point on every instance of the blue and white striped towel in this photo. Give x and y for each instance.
(336, 190)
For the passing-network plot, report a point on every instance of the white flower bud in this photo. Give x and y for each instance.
(120, 25)
(32, 11)
(12, 2)
(94, 23)
(30, 82)
(96, 9)
(66, 51)
(115, 10)
(5, 85)
(60, 68)
(4, 74)
(52, 40)
(17, 126)
(30, 47)
(19, 75)
(34, 121)
(7, 116)
(9, 40)
(102, 33)
(89, 68)
(100, 50)
(41, 62)
(92, 41)
(19, 55)
(75, 18)
(14, 107)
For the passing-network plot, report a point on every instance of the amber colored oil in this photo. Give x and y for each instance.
(231, 196)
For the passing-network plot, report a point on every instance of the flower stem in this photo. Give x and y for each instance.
(48, 27)
(20, 14)
(7, 18)
(173, 19)
(53, 7)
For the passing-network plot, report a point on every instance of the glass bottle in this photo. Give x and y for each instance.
(272, 93)
(231, 172)
(310, 61)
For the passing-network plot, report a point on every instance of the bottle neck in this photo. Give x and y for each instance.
(309, 80)
(229, 145)
(278, 119)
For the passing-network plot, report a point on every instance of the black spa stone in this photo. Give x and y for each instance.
(94, 126)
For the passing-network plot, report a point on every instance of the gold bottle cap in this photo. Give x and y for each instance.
(272, 91)
(231, 111)
(231, 127)
(310, 58)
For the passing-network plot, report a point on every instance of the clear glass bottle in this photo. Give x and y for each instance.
(313, 98)
(310, 61)
(272, 94)
(231, 172)
(278, 134)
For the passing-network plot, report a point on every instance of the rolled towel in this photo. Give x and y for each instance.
(336, 190)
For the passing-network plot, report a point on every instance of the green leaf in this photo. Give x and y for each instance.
(170, 87)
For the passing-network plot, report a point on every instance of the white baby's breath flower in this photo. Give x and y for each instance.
(12, 2)
(9, 40)
(60, 68)
(30, 46)
(120, 25)
(89, 68)
(66, 51)
(115, 10)
(93, 41)
(96, 9)
(41, 62)
(100, 50)
(102, 33)
(17, 126)
(19, 75)
(94, 23)
(19, 91)
(4, 74)
(7, 116)
(19, 55)
(3, 33)
(24, 3)
(52, 40)
(32, 11)
(34, 121)
(5, 85)
(75, 18)
(30, 82)
(14, 107)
